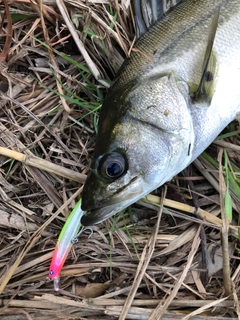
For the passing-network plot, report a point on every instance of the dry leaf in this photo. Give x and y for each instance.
(92, 290)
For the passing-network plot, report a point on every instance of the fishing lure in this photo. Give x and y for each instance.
(67, 237)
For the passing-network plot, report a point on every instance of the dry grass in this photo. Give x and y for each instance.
(146, 264)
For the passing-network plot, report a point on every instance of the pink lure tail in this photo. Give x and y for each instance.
(56, 266)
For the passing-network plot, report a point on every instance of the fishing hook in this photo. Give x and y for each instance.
(75, 239)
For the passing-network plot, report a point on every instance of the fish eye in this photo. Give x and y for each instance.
(51, 272)
(112, 166)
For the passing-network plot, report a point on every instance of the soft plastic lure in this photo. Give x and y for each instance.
(67, 237)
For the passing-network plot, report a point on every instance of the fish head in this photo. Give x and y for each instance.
(144, 133)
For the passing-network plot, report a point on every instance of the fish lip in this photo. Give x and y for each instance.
(98, 215)
(118, 201)
(104, 212)
(122, 200)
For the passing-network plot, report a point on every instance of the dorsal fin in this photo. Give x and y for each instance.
(147, 12)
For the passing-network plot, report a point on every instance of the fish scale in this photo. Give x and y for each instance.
(152, 45)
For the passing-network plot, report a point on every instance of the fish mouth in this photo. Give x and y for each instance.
(119, 201)
(100, 214)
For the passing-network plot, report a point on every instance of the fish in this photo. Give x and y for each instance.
(174, 95)
(68, 235)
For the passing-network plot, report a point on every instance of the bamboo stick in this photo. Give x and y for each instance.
(43, 164)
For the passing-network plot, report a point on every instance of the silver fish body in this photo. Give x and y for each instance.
(152, 123)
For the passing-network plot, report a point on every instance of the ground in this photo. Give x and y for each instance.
(174, 255)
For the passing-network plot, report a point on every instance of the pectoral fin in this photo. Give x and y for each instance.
(209, 65)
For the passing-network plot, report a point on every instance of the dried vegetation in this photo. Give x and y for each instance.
(56, 61)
